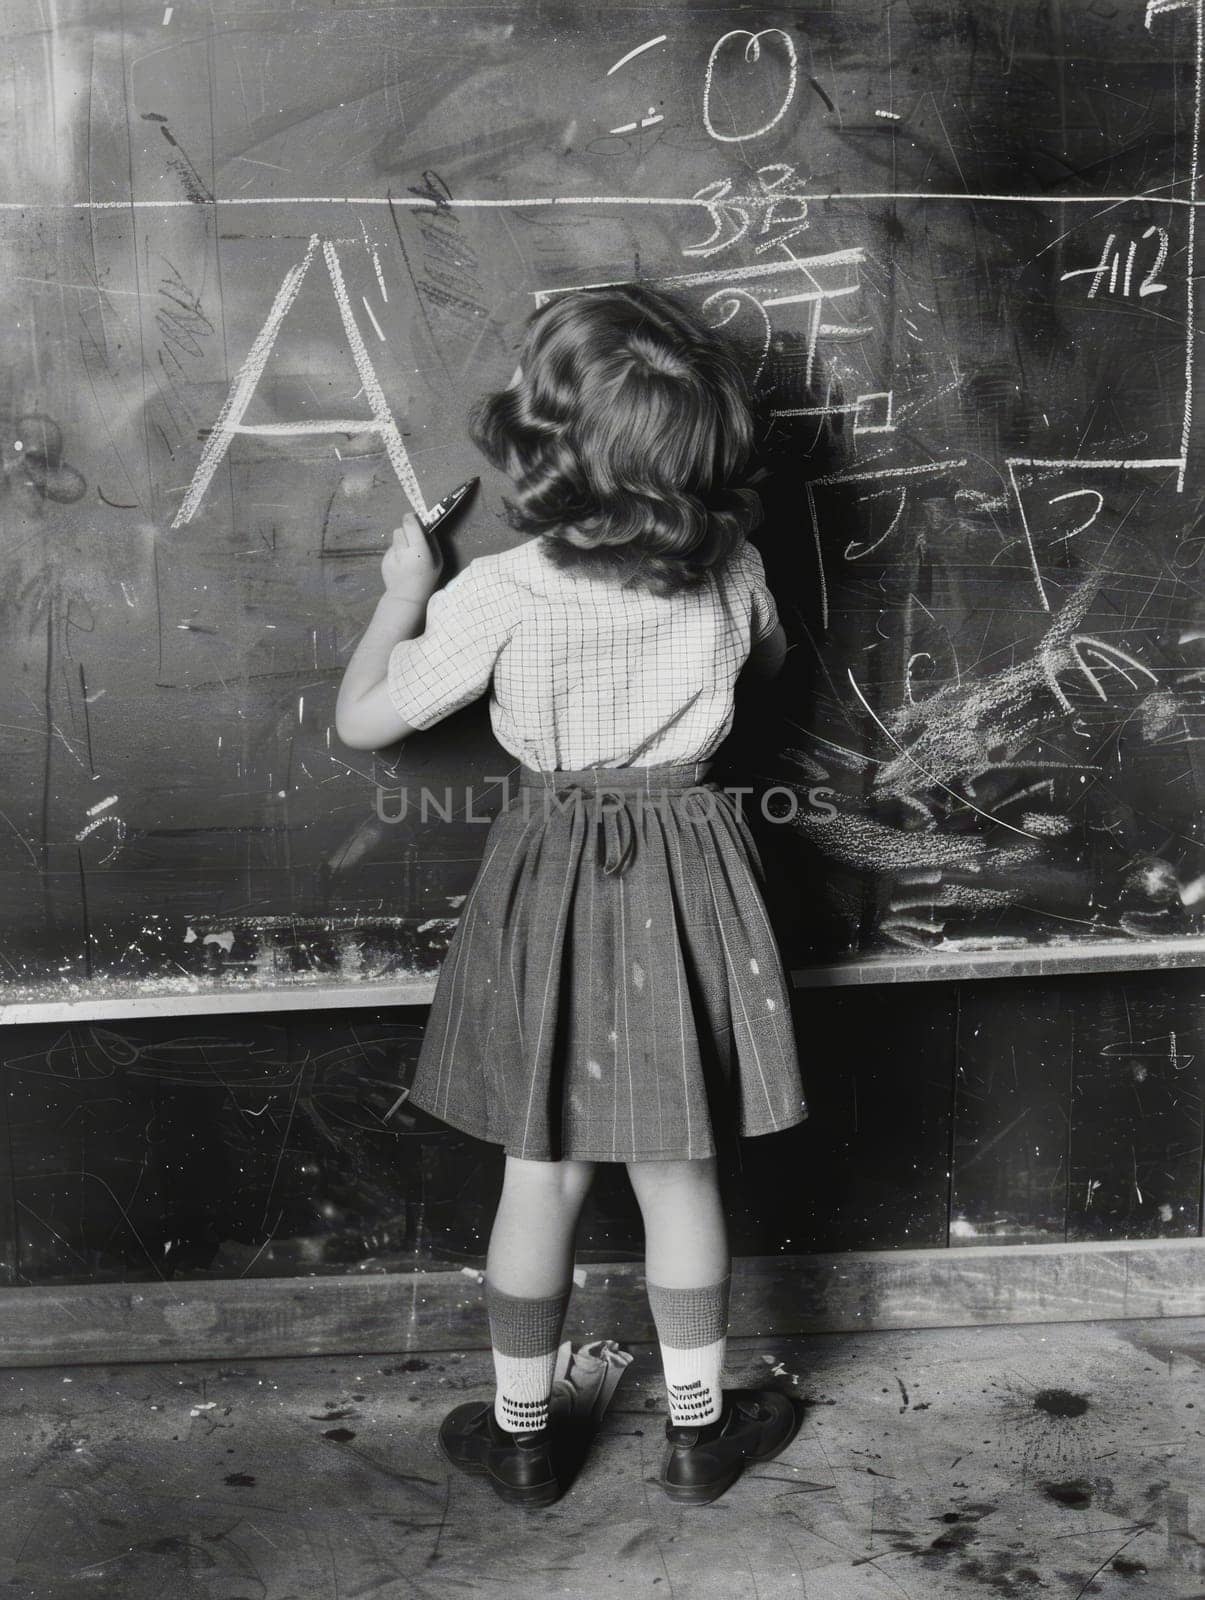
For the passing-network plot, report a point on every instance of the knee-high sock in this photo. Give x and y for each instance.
(525, 1335)
(692, 1329)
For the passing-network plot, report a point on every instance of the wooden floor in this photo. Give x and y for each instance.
(1026, 1461)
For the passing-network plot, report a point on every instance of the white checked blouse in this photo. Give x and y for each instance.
(584, 672)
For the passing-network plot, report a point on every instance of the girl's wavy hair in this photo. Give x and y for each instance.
(627, 423)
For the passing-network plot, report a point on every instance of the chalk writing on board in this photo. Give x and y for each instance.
(1110, 262)
(230, 419)
(749, 48)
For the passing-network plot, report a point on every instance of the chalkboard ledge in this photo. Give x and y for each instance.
(105, 1006)
(987, 958)
(984, 961)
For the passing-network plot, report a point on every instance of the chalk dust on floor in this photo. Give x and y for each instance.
(1029, 1461)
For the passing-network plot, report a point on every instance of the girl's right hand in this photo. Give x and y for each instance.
(412, 564)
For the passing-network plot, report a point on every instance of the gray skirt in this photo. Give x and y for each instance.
(613, 990)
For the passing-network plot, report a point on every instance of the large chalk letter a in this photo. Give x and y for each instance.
(230, 418)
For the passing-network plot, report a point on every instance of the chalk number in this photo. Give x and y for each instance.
(1110, 266)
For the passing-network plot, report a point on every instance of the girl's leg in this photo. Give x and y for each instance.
(688, 1275)
(528, 1278)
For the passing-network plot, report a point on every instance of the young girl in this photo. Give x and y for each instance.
(613, 990)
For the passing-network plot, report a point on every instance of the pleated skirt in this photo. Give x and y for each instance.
(613, 990)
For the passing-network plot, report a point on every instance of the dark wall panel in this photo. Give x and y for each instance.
(1078, 1109)
(1007, 1111)
(250, 1146)
(1012, 1108)
(1135, 1155)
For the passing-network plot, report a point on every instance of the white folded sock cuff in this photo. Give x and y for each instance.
(523, 1392)
(694, 1383)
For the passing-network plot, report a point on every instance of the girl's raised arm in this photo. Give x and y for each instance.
(365, 715)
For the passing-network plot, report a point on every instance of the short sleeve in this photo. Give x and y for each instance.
(764, 608)
(452, 661)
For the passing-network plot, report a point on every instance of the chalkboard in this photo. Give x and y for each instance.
(258, 261)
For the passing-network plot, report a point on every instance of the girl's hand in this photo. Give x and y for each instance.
(412, 564)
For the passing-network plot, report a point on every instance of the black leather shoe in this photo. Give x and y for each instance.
(701, 1462)
(518, 1465)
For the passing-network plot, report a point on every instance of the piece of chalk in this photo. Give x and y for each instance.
(447, 505)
